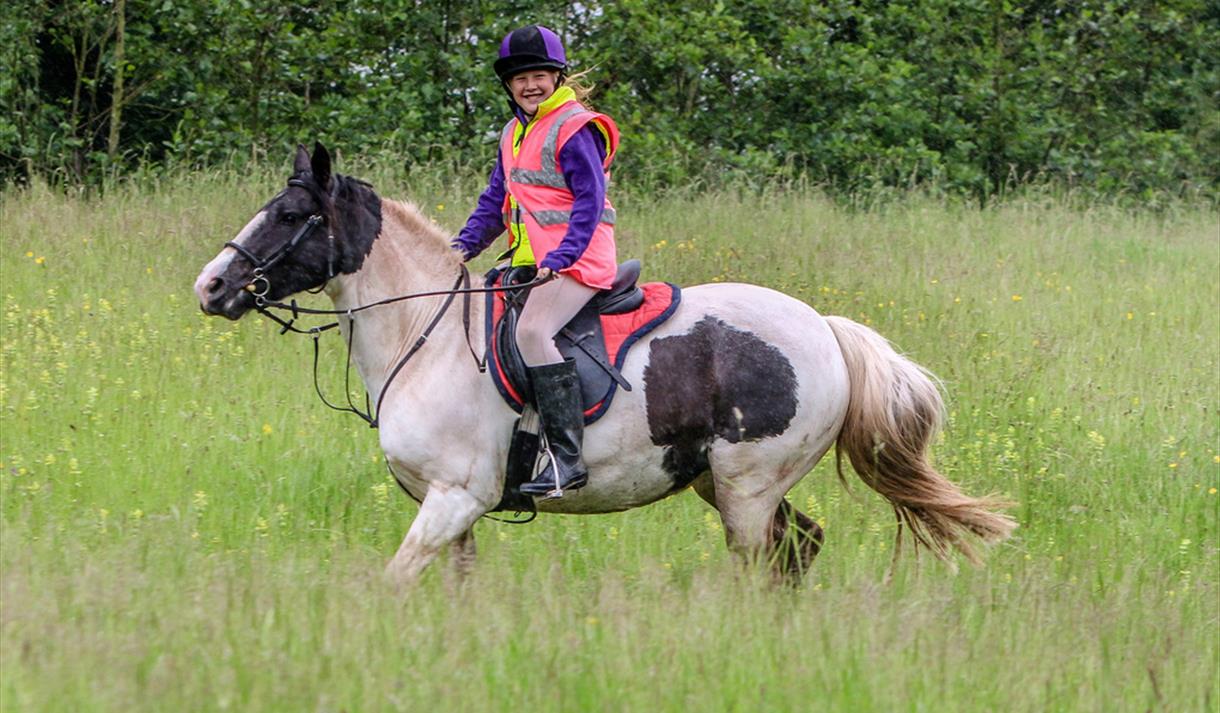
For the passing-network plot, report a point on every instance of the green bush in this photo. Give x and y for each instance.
(975, 97)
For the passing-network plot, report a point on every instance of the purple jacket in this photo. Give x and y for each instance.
(580, 159)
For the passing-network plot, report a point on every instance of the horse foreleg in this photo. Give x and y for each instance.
(446, 515)
(461, 558)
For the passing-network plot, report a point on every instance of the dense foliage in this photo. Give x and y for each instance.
(975, 96)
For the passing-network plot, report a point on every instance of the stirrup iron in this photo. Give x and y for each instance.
(556, 492)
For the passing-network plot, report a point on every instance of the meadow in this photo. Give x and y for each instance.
(185, 528)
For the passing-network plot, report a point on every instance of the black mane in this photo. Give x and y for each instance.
(357, 220)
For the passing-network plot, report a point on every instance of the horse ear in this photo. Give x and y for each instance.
(301, 163)
(320, 165)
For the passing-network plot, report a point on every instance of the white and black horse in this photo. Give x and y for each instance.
(738, 395)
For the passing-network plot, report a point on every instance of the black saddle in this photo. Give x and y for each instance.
(627, 310)
(582, 339)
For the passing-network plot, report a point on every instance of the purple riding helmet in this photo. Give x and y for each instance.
(530, 47)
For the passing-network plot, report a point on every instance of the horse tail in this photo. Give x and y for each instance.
(894, 410)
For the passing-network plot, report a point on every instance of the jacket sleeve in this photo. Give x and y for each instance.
(486, 222)
(580, 159)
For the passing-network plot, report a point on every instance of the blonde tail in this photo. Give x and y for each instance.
(894, 411)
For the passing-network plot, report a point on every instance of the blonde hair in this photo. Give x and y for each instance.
(580, 84)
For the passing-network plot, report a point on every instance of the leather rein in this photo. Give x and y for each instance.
(260, 287)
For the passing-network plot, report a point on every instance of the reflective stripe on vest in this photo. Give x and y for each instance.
(537, 207)
(549, 174)
(560, 217)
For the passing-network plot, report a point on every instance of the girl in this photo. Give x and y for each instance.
(548, 189)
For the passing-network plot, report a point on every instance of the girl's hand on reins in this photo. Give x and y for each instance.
(545, 274)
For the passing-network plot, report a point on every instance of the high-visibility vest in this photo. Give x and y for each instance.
(538, 204)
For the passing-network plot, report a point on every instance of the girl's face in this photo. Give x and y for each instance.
(532, 87)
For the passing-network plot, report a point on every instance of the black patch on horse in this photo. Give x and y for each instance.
(360, 225)
(715, 381)
(356, 220)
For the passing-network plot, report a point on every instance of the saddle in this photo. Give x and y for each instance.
(597, 339)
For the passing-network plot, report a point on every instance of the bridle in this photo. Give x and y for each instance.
(261, 266)
(264, 306)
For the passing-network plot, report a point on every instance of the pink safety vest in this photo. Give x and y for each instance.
(544, 204)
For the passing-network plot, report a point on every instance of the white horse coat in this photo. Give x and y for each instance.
(738, 394)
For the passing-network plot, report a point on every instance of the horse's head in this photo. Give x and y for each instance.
(320, 226)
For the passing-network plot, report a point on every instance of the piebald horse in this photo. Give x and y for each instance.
(737, 396)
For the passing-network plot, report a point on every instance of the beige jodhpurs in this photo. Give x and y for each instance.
(548, 309)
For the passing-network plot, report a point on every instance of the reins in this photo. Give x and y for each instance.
(373, 416)
(260, 287)
(370, 415)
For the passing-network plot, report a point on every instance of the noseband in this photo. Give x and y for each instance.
(261, 266)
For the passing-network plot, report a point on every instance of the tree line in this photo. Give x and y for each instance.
(972, 96)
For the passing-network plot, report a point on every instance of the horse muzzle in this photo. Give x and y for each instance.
(218, 296)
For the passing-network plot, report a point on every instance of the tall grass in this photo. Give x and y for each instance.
(185, 528)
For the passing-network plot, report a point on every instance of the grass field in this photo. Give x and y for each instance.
(186, 529)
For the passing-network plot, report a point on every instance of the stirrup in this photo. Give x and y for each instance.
(557, 491)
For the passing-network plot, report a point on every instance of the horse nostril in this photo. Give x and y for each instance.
(215, 285)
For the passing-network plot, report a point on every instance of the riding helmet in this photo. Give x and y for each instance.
(530, 47)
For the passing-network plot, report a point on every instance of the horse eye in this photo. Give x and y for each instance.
(289, 218)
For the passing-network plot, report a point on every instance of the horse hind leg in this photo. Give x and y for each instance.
(748, 516)
(795, 540)
(761, 526)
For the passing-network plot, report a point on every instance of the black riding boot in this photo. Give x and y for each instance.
(557, 391)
